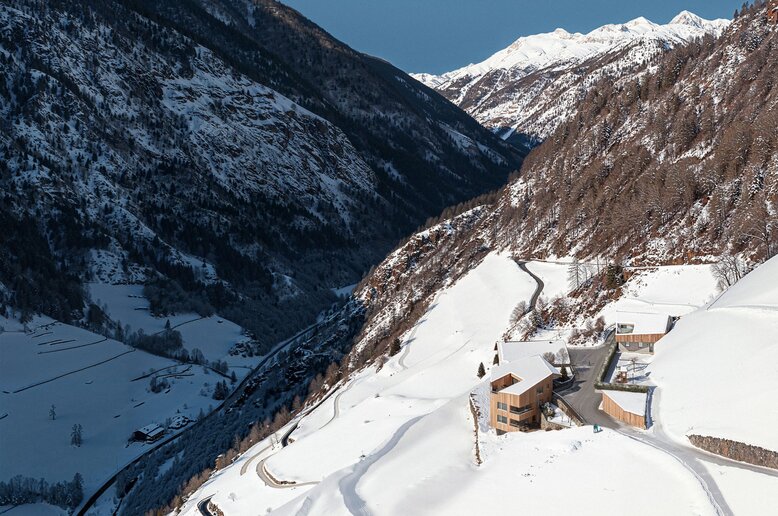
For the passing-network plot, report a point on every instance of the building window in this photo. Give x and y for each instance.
(502, 419)
(514, 422)
(625, 328)
(502, 406)
(539, 390)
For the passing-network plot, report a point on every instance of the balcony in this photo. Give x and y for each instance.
(521, 410)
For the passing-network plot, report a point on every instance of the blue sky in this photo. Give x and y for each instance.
(441, 35)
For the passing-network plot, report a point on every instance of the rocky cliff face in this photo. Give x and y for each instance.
(228, 143)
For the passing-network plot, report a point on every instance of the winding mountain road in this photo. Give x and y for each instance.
(202, 506)
(538, 290)
(81, 511)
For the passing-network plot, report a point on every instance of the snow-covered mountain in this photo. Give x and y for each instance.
(534, 84)
(215, 140)
(676, 164)
(673, 164)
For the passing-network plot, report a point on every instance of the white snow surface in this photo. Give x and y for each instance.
(92, 381)
(674, 290)
(529, 370)
(538, 81)
(400, 440)
(717, 368)
(560, 46)
(213, 335)
(515, 350)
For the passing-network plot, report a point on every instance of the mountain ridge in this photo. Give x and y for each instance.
(173, 135)
(518, 89)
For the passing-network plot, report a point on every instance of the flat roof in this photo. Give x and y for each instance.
(530, 370)
(645, 323)
(515, 350)
(632, 402)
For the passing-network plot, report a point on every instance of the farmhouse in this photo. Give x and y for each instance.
(516, 350)
(518, 391)
(148, 433)
(639, 331)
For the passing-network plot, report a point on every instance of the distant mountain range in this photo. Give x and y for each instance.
(535, 84)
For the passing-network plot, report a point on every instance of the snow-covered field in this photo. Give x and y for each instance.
(717, 368)
(98, 386)
(401, 440)
(675, 290)
(101, 384)
(213, 335)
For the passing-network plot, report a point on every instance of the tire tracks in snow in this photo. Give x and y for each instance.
(348, 484)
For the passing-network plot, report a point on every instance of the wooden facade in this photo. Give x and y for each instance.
(518, 412)
(650, 338)
(614, 410)
(772, 11)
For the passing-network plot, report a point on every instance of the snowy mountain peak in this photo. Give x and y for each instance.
(690, 19)
(641, 21)
(488, 90)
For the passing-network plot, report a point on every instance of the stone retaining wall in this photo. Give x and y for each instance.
(736, 450)
(569, 411)
(476, 413)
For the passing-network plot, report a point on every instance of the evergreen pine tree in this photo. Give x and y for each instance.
(75, 435)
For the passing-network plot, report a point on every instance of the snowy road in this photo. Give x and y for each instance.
(336, 406)
(536, 295)
(348, 484)
(202, 506)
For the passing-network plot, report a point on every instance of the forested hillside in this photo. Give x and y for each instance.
(231, 152)
(676, 165)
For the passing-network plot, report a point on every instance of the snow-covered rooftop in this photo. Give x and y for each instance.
(530, 371)
(643, 323)
(632, 402)
(150, 429)
(515, 350)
